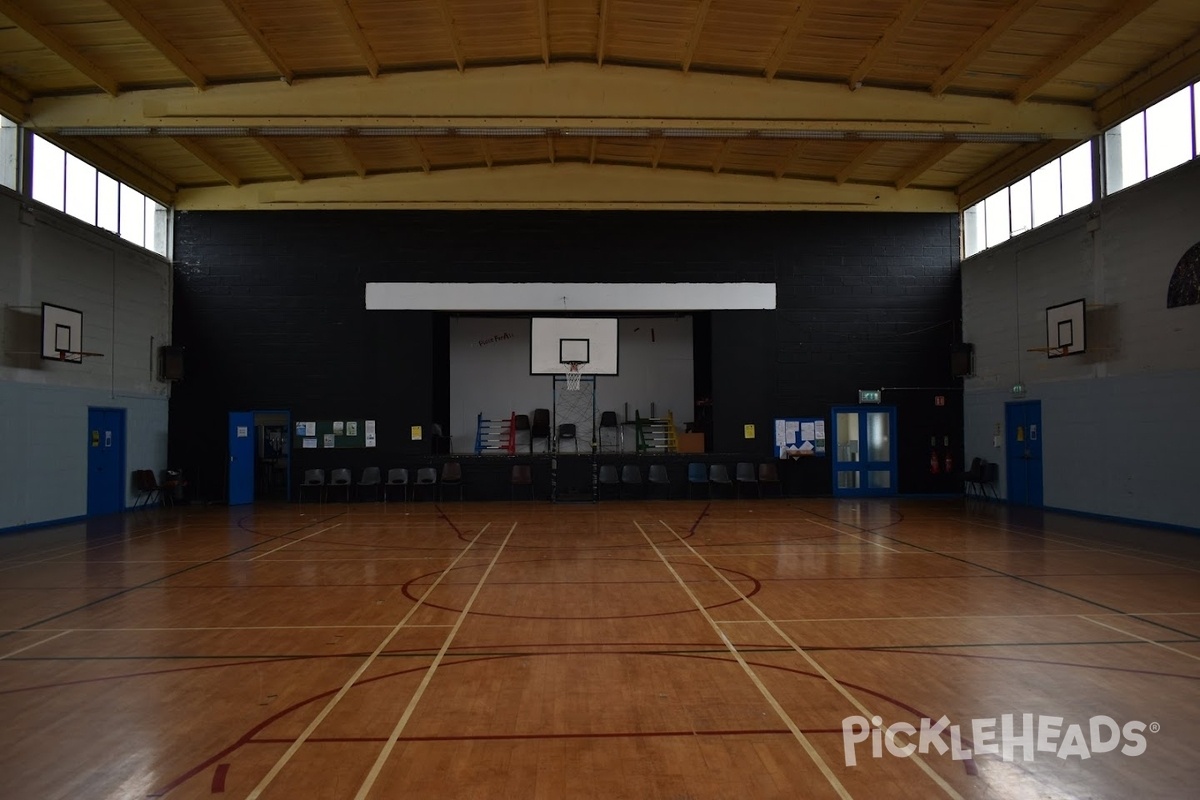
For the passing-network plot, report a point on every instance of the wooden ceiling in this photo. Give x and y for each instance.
(789, 104)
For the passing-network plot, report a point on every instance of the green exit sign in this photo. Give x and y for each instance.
(870, 396)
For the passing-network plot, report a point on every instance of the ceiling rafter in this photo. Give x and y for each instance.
(1095, 35)
(893, 32)
(694, 39)
(601, 32)
(288, 165)
(356, 162)
(110, 157)
(260, 39)
(160, 43)
(452, 35)
(866, 154)
(415, 143)
(788, 159)
(719, 162)
(487, 151)
(543, 13)
(550, 147)
(658, 151)
(14, 98)
(1017, 164)
(51, 41)
(932, 159)
(1175, 69)
(356, 33)
(793, 29)
(980, 45)
(592, 151)
(209, 160)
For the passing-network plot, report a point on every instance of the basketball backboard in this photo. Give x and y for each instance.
(62, 333)
(555, 341)
(1065, 329)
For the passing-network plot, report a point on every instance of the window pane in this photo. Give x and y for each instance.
(996, 208)
(8, 152)
(1125, 154)
(48, 173)
(1021, 205)
(973, 234)
(156, 227)
(879, 442)
(107, 202)
(133, 215)
(1168, 132)
(81, 189)
(1047, 193)
(1077, 177)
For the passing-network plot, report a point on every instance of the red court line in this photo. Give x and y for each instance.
(218, 781)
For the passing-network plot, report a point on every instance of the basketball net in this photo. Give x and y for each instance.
(573, 375)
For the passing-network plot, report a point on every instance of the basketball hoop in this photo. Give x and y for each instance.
(573, 375)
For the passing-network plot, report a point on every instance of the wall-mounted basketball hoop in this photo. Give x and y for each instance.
(572, 374)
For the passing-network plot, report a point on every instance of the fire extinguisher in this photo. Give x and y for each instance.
(949, 463)
(934, 463)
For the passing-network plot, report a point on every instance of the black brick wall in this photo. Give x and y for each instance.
(269, 306)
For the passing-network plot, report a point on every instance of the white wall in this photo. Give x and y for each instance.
(489, 372)
(1120, 432)
(125, 295)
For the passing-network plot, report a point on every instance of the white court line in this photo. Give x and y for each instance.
(35, 644)
(386, 752)
(349, 684)
(1143, 638)
(292, 542)
(920, 762)
(18, 564)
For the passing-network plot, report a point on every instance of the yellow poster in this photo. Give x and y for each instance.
(749, 429)
(416, 433)
(1020, 433)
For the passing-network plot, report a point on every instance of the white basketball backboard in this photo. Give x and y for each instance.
(556, 340)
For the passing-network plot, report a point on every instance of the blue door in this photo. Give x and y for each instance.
(864, 454)
(106, 488)
(241, 457)
(1023, 449)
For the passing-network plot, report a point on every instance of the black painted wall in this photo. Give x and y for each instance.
(270, 309)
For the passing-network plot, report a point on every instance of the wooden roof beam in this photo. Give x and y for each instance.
(487, 150)
(658, 151)
(885, 42)
(448, 19)
(209, 160)
(14, 98)
(726, 146)
(803, 9)
(160, 43)
(60, 48)
(1170, 73)
(239, 13)
(288, 165)
(356, 162)
(787, 160)
(118, 162)
(980, 45)
(356, 33)
(1097, 34)
(592, 151)
(1011, 167)
(927, 163)
(601, 32)
(544, 29)
(416, 145)
(550, 147)
(866, 154)
(694, 39)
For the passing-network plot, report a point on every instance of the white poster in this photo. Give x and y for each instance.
(370, 432)
(310, 444)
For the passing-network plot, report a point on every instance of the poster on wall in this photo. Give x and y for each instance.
(370, 426)
(799, 437)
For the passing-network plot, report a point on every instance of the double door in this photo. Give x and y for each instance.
(864, 461)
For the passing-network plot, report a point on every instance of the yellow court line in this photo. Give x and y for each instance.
(349, 684)
(750, 673)
(920, 762)
(1143, 638)
(377, 767)
(293, 541)
(35, 644)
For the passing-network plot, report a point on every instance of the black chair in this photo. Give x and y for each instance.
(369, 480)
(659, 477)
(608, 424)
(522, 475)
(397, 476)
(146, 485)
(609, 477)
(990, 479)
(747, 476)
(521, 426)
(973, 477)
(768, 475)
(566, 433)
(452, 476)
(540, 427)
(340, 479)
(719, 474)
(314, 479)
(698, 476)
(631, 476)
(426, 478)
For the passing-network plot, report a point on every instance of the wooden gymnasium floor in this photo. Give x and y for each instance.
(629, 649)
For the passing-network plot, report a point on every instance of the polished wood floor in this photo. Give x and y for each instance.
(620, 650)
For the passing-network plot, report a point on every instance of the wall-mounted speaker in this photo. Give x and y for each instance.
(962, 360)
(170, 363)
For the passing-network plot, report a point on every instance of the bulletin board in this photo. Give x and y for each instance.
(800, 437)
(333, 434)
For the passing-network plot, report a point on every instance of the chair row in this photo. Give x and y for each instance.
(746, 474)
(421, 479)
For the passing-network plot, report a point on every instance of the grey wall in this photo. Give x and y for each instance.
(1120, 435)
(124, 294)
(489, 372)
